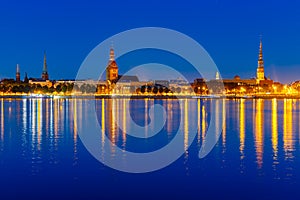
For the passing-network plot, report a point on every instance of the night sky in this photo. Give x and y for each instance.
(228, 30)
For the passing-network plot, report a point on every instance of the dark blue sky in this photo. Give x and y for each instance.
(228, 30)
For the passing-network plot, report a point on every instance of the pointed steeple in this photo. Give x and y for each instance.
(26, 78)
(18, 69)
(111, 54)
(18, 73)
(45, 75)
(45, 63)
(260, 74)
(260, 57)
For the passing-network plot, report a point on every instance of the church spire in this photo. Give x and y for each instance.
(260, 51)
(260, 66)
(112, 69)
(18, 68)
(45, 75)
(18, 73)
(45, 63)
(111, 53)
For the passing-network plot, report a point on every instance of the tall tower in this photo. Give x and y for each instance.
(112, 67)
(217, 75)
(45, 75)
(260, 74)
(18, 79)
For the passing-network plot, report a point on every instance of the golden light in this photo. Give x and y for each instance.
(224, 124)
(274, 129)
(259, 122)
(186, 128)
(288, 127)
(242, 127)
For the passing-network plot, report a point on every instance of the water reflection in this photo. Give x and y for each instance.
(242, 128)
(198, 122)
(269, 138)
(288, 128)
(204, 124)
(37, 126)
(274, 129)
(102, 125)
(124, 110)
(2, 119)
(259, 132)
(186, 127)
(217, 121)
(224, 125)
(2, 124)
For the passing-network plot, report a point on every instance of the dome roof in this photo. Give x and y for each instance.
(236, 77)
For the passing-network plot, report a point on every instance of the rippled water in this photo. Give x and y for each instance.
(257, 154)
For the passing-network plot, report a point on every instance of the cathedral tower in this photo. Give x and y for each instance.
(260, 74)
(112, 67)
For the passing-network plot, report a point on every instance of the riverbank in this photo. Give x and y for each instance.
(135, 96)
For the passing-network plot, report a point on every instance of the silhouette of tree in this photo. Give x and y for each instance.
(58, 88)
(143, 89)
(155, 90)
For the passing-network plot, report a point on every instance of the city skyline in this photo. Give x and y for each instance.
(116, 83)
(160, 99)
(70, 31)
(260, 74)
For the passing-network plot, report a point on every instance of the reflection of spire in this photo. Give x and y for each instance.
(242, 127)
(224, 125)
(274, 129)
(288, 145)
(259, 122)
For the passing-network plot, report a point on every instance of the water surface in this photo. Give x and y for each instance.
(257, 154)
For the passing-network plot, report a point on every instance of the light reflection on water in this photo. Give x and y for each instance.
(260, 133)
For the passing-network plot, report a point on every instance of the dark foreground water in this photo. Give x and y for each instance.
(256, 156)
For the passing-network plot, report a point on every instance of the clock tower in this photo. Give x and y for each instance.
(112, 67)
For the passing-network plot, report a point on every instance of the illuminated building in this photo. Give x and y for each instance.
(237, 86)
(44, 81)
(112, 68)
(260, 74)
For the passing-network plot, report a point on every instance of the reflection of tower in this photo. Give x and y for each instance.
(259, 132)
(18, 73)
(111, 120)
(45, 75)
(112, 67)
(260, 75)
